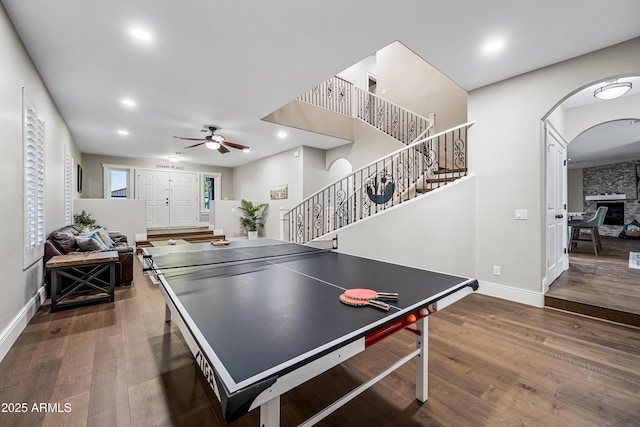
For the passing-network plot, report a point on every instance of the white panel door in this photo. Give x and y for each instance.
(184, 207)
(153, 187)
(556, 212)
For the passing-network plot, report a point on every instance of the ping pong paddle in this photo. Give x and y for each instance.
(370, 294)
(220, 242)
(359, 302)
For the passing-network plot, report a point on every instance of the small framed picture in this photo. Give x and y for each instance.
(279, 191)
(79, 179)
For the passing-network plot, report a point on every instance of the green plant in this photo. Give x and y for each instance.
(251, 218)
(84, 220)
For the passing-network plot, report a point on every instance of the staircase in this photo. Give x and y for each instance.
(403, 175)
(338, 95)
(191, 235)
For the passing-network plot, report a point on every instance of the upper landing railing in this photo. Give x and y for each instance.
(335, 94)
(394, 179)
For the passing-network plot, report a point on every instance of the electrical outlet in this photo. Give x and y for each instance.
(496, 270)
(521, 214)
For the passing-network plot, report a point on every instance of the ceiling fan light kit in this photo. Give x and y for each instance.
(612, 90)
(214, 141)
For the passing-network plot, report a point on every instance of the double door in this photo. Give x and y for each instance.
(171, 198)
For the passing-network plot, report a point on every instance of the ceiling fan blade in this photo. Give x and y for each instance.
(233, 145)
(189, 139)
(194, 145)
(222, 149)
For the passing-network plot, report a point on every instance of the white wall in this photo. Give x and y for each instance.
(126, 216)
(575, 190)
(226, 217)
(254, 180)
(580, 119)
(22, 290)
(93, 172)
(408, 80)
(369, 144)
(506, 152)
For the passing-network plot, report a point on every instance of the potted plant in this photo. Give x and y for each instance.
(251, 217)
(84, 220)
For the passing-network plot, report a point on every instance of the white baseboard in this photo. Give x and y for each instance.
(17, 325)
(521, 296)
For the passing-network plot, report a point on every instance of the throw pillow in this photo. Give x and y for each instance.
(631, 230)
(102, 234)
(90, 243)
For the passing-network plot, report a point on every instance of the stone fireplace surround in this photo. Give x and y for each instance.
(617, 178)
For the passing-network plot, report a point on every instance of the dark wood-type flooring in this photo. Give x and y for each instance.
(491, 363)
(601, 286)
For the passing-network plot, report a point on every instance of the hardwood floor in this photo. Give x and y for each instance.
(491, 363)
(601, 286)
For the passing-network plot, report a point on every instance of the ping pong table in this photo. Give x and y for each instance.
(263, 316)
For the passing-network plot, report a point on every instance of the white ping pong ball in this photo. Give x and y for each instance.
(424, 312)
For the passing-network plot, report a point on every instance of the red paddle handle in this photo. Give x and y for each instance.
(394, 327)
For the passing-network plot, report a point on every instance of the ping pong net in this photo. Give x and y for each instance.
(230, 255)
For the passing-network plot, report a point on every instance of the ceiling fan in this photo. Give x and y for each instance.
(214, 141)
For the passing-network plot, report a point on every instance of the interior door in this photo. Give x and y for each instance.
(183, 196)
(556, 212)
(153, 187)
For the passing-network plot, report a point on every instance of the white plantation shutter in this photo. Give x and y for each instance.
(33, 141)
(68, 189)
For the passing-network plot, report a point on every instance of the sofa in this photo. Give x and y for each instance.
(66, 240)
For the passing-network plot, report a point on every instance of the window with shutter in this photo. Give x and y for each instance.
(33, 143)
(68, 189)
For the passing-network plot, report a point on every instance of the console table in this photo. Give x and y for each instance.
(84, 271)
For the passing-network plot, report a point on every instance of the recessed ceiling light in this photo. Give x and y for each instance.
(140, 34)
(128, 102)
(493, 46)
(123, 132)
(282, 134)
(246, 150)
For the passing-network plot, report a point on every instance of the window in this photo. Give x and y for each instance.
(68, 189)
(210, 190)
(117, 182)
(33, 184)
(209, 193)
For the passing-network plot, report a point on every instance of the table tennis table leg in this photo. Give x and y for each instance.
(167, 313)
(270, 413)
(422, 360)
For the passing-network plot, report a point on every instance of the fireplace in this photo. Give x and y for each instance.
(615, 213)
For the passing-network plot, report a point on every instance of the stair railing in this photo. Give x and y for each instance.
(333, 94)
(420, 167)
(390, 118)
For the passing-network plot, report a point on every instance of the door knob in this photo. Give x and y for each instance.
(560, 216)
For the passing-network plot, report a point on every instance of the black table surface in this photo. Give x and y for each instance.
(269, 316)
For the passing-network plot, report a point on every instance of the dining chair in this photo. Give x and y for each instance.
(590, 225)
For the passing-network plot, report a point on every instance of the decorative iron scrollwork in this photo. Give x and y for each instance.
(430, 159)
(342, 207)
(459, 153)
(395, 125)
(300, 224)
(404, 175)
(380, 187)
(411, 130)
(317, 216)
